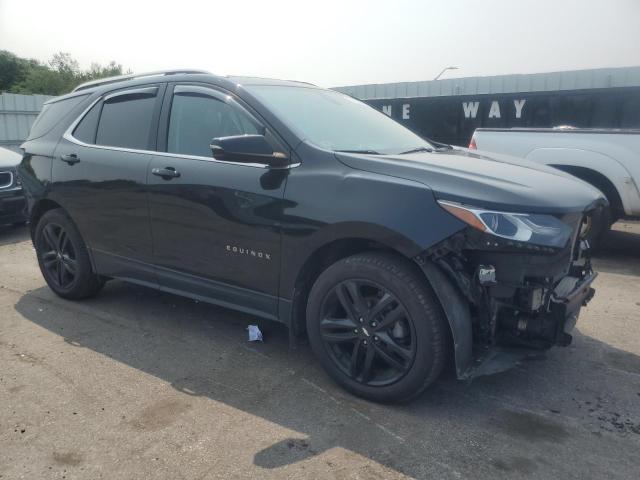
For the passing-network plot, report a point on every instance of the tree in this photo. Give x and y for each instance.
(60, 75)
(13, 69)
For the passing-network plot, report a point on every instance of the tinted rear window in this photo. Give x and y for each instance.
(126, 121)
(51, 114)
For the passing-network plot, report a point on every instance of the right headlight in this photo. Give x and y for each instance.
(538, 229)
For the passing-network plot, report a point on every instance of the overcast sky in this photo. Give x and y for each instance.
(329, 42)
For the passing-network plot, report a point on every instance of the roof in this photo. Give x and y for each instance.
(533, 82)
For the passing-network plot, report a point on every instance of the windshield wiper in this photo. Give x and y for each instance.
(441, 147)
(368, 152)
(416, 150)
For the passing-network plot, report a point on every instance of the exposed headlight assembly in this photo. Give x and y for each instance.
(545, 230)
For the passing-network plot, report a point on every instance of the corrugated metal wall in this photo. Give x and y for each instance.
(535, 82)
(17, 114)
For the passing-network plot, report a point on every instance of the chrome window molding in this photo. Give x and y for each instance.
(7, 185)
(68, 135)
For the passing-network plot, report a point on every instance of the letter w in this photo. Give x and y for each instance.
(470, 109)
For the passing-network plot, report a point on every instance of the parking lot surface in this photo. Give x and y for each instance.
(141, 384)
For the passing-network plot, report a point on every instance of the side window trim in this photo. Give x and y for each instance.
(135, 92)
(199, 90)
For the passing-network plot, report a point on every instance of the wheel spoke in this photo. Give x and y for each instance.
(70, 264)
(50, 263)
(390, 318)
(337, 337)
(368, 363)
(63, 240)
(50, 237)
(60, 272)
(393, 346)
(383, 303)
(390, 360)
(350, 299)
(49, 258)
(355, 353)
(338, 323)
(358, 300)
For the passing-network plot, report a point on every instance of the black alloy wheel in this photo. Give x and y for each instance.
(58, 256)
(63, 257)
(377, 327)
(367, 332)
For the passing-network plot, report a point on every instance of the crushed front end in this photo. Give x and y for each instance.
(524, 296)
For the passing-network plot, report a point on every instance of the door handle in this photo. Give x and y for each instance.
(167, 173)
(71, 158)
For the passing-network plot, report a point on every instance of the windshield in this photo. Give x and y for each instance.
(335, 121)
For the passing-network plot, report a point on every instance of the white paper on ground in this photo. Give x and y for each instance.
(255, 335)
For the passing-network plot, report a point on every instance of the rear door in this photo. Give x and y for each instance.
(216, 230)
(101, 170)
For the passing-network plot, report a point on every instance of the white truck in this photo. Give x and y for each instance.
(608, 159)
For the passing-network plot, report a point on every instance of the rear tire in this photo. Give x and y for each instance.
(376, 327)
(63, 257)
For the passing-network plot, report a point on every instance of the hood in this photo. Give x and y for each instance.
(9, 158)
(492, 181)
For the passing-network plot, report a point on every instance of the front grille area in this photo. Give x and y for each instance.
(6, 179)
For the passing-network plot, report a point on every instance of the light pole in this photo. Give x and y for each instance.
(444, 70)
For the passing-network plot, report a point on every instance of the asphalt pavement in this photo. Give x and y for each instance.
(141, 384)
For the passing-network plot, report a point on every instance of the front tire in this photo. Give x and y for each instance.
(63, 257)
(376, 327)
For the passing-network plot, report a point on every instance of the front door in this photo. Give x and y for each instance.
(214, 224)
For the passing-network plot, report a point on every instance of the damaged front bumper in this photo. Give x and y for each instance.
(505, 301)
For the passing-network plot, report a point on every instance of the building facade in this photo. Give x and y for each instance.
(450, 110)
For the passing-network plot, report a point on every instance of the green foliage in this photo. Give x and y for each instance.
(60, 75)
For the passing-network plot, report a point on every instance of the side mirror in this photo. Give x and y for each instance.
(247, 149)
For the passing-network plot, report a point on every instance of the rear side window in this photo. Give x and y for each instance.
(51, 114)
(126, 119)
(197, 119)
(86, 129)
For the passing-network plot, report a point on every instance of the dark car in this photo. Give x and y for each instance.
(308, 207)
(13, 206)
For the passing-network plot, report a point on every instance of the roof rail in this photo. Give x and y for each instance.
(130, 76)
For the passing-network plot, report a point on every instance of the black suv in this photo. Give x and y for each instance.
(308, 207)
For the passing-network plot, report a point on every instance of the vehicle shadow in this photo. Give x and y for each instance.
(201, 350)
(10, 234)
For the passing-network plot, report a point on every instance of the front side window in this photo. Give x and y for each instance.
(335, 121)
(197, 118)
(126, 120)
